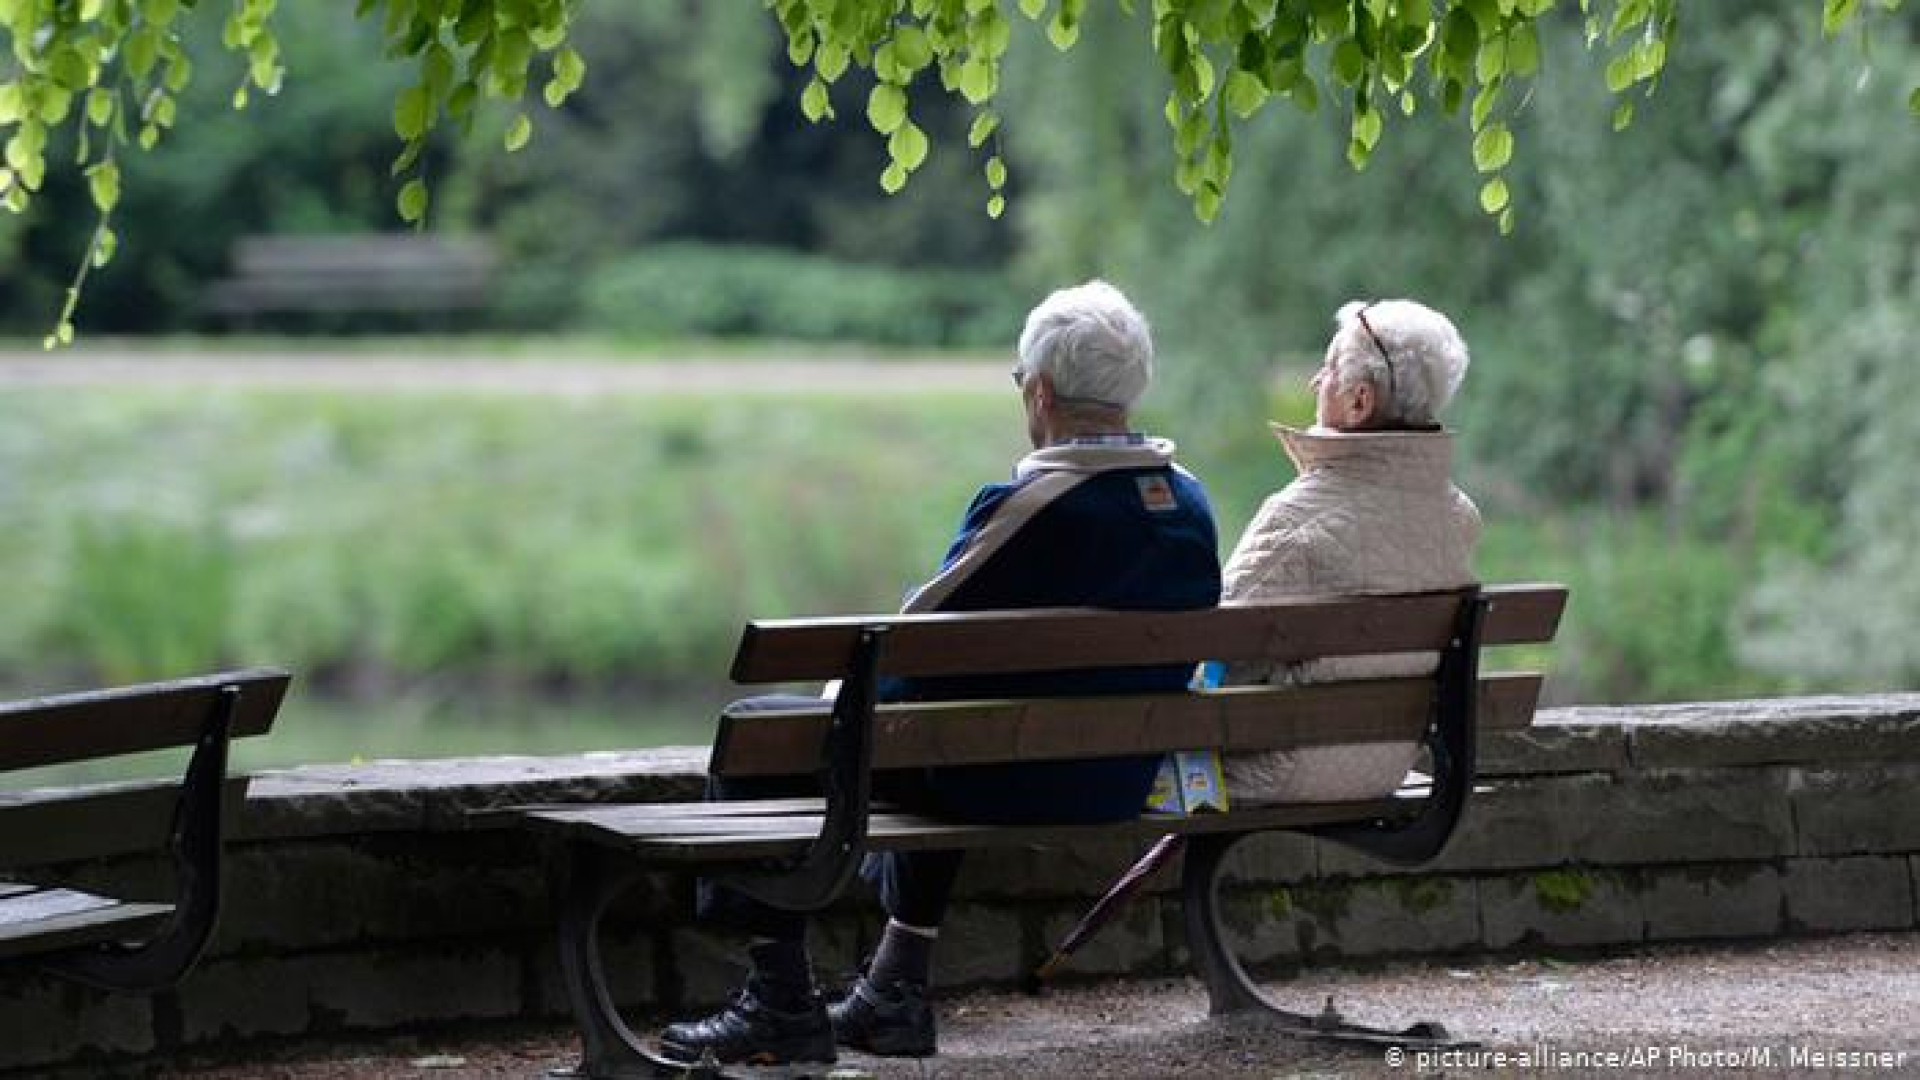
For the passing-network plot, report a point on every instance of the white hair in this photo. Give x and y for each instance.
(1428, 357)
(1092, 343)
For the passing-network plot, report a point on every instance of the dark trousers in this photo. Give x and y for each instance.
(914, 886)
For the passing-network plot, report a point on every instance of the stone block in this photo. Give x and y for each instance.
(707, 966)
(1273, 858)
(405, 796)
(1569, 906)
(1261, 925)
(306, 895)
(1883, 727)
(1865, 810)
(1863, 893)
(371, 990)
(1727, 901)
(980, 944)
(1553, 744)
(1130, 942)
(1389, 916)
(46, 1021)
(1077, 870)
(1719, 815)
(1520, 823)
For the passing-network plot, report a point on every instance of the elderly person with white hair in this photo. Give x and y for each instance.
(1097, 515)
(1373, 509)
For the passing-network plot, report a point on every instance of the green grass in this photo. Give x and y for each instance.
(466, 574)
(529, 542)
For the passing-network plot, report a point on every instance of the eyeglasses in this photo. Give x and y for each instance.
(1392, 388)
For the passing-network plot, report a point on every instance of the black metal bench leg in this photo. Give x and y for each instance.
(195, 843)
(1231, 990)
(587, 880)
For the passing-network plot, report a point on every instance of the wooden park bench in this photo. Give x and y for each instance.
(390, 274)
(799, 853)
(108, 942)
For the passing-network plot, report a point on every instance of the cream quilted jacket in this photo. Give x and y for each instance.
(1369, 512)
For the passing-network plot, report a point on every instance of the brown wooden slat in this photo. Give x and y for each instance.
(152, 716)
(629, 828)
(39, 827)
(974, 643)
(782, 743)
(51, 919)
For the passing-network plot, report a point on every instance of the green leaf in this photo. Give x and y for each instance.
(976, 81)
(886, 107)
(911, 50)
(1523, 51)
(143, 49)
(996, 206)
(12, 103)
(103, 183)
(893, 178)
(1367, 127)
(1622, 115)
(518, 133)
(1493, 195)
(1492, 148)
(1913, 102)
(1349, 63)
(1620, 72)
(814, 103)
(99, 107)
(413, 200)
(1834, 18)
(411, 111)
(1032, 9)
(983, 127)
(1244, 94)
(1063, 34)
(996, 173)
(908, 146)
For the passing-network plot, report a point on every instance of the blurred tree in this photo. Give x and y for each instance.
(112, 72)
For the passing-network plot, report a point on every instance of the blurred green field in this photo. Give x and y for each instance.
(471, 574)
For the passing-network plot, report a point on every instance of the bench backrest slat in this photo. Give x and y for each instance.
(152, 716)
(778, 743)
(1058, 639)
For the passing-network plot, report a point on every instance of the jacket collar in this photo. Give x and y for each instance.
(1410, 459)
(1091, 457)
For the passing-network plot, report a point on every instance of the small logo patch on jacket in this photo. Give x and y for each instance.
(1156, 494)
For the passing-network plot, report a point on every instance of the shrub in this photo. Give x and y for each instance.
(704, 290)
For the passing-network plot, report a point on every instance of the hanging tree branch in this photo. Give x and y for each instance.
(112, 70)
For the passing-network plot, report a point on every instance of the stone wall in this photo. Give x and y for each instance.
(369, 898)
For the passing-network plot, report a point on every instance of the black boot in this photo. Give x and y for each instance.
(893, 1021)
(752, 1031)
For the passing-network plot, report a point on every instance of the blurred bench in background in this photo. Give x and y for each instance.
(376, 273)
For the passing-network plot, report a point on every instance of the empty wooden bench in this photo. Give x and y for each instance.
(109, 942)
(379, 273)
(799, 853)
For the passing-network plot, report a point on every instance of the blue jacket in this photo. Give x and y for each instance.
(1105, 524)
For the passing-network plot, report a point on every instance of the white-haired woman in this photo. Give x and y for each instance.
(1373, 509)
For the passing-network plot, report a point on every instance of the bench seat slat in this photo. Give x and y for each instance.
(784, 742)
(45, 920)
(1053, 639)
(690, 838)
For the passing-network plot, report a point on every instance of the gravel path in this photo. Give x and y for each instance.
(1788, 1008)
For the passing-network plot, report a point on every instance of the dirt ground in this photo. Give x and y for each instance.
(1837, 1006)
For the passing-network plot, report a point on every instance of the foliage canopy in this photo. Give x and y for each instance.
(112, 71)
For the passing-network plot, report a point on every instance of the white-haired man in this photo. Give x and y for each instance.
(1097, 515)
(1373, 509)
